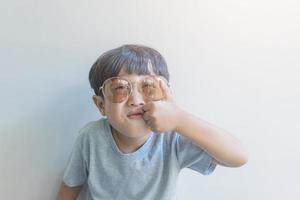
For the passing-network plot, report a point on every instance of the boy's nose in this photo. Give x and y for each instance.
(136, 98)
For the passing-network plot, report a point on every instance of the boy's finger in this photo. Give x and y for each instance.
(147, 107)
(149, 123)
(146, 116)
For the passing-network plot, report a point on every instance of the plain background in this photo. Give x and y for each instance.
(233, 63)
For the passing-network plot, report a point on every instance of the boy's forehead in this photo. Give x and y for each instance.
(132, 77)
(125, 74)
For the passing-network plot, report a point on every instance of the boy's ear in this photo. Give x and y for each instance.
(99, 102)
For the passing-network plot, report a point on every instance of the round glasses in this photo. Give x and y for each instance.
(117, 89)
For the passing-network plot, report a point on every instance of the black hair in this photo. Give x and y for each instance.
(133, 58)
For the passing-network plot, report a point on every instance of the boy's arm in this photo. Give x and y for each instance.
(68, 193)
(221, 145)
(166, 115)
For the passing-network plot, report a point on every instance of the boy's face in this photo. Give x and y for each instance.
(124, 116)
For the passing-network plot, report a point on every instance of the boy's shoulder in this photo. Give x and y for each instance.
(94, 128)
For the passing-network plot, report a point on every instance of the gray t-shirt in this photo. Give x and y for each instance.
(149, 173)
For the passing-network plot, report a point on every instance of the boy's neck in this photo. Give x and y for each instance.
(127, 144)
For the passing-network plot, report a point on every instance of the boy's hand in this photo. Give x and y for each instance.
(162, 115)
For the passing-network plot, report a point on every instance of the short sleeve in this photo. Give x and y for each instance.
(191, 156)
(76, 171)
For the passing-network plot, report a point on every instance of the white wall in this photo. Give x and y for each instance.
(240, 60)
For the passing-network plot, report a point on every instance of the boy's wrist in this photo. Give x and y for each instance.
(180, 124)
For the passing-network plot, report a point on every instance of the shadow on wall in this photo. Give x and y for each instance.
(40, 143)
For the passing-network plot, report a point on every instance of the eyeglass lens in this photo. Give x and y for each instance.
(117, 89)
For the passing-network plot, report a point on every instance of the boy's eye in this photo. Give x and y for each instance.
(149, 84)
(120, 87)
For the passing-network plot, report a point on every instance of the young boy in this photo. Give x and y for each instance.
(138, 150)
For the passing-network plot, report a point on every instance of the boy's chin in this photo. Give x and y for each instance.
(138, 126)
(138, 132)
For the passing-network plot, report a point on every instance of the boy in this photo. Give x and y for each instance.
(138, 150)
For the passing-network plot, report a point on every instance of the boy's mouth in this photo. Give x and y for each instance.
(135, 115)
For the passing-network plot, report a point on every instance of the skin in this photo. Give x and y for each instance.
(160, 116)
(68, 193)
(129, 134)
